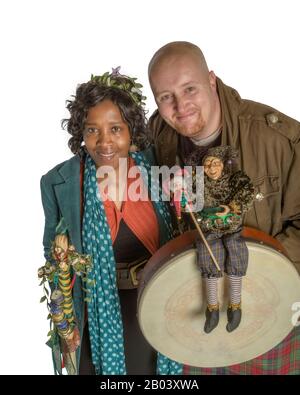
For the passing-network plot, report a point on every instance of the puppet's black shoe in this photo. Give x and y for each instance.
(212, 318)
(234, 315)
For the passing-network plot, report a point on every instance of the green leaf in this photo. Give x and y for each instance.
(50, 333)
(49, 343)
(43, 299)
(49, 317)
(46, 291)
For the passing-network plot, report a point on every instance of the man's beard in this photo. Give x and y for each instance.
(190, 131)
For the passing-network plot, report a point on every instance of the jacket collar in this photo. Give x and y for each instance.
(69, 168)
(230, 107)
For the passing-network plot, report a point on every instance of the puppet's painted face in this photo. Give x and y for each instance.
(213, 167)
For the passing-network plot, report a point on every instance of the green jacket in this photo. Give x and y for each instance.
(60, 189)
(269, 148)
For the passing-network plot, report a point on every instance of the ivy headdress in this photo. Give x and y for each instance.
(123, 82)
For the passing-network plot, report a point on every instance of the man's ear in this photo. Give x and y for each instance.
(212, 80)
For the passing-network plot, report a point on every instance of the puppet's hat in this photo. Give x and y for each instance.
(226, 153)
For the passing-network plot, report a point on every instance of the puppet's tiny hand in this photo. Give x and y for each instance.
(226, 211)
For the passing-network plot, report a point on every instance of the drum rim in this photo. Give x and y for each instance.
(186, 240)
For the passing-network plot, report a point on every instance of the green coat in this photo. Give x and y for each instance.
(60, 189)
(268, 143)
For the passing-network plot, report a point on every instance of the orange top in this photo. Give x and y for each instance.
(138, 215)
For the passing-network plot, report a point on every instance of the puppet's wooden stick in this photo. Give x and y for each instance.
(203, 238)
(184, 204)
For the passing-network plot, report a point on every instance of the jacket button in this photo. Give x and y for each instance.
(273, 118)
(259, 196)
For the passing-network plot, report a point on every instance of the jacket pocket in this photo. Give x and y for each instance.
(266, 186)
(266, 210)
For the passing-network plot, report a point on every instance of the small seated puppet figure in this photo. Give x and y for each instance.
(228, 194)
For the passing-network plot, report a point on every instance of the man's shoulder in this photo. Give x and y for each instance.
(250, 110)
(272, 119)
(62, 171)
(156, 124)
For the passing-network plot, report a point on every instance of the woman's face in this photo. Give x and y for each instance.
(106, 135)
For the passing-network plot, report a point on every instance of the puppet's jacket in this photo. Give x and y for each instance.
(233, 190)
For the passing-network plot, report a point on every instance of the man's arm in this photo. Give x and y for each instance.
(290, 236)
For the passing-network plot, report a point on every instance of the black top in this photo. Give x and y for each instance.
(186, 147)
(127, 247)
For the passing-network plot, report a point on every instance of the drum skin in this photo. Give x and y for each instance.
(172, 303)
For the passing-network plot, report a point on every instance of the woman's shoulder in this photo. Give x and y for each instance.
(63, 170)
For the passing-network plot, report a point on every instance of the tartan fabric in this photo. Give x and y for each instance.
(284, 359)
(230, 250)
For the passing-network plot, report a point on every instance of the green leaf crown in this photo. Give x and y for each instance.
(123, 82)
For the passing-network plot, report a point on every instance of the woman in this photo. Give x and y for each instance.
(110, 219)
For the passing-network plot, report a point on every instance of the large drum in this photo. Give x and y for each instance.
(172, 303)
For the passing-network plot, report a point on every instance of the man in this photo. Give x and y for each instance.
(196, 109)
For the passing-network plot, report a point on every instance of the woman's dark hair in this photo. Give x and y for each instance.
(91, 93)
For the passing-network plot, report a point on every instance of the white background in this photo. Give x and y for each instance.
(47, 48)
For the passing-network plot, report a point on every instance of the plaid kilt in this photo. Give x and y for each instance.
(230, 251)
(284, 359)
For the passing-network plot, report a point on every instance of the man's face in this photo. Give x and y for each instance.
(186, 96)
(213, 167)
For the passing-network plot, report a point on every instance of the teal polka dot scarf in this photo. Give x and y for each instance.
(104, 312)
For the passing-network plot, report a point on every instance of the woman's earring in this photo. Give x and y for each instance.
(133, 147)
